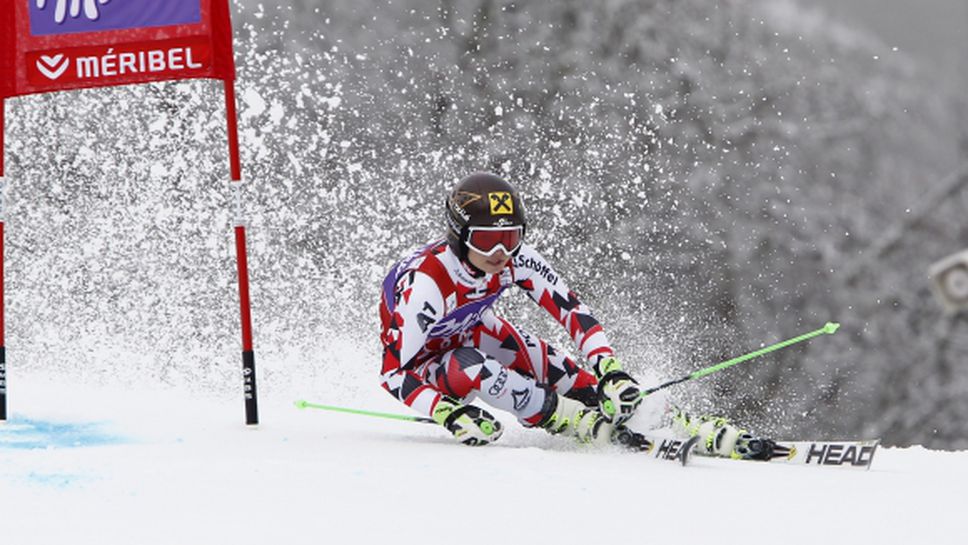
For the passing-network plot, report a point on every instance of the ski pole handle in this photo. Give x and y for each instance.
(829, 328)
(303, 404)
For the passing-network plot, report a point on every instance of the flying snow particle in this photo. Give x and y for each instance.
(255, 103)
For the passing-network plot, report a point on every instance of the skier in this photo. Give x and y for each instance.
(444, 345)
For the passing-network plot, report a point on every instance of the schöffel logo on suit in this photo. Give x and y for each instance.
(99, 65)
(50, 17)
(543, 269)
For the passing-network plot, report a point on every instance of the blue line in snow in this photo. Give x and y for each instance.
(24, 433)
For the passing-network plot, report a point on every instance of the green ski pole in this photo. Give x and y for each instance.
(830, 328)
(302, 404)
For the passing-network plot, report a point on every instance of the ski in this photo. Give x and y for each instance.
(851, 453)
(656, 446)
(848, 454)
(673, 449)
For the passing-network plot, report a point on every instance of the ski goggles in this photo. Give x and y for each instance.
(487, 240)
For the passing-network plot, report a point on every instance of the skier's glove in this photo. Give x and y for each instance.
(618, 393)
(469, 424)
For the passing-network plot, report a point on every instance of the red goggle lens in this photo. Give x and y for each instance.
(486, 241)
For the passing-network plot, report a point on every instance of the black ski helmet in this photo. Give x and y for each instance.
(481, 200)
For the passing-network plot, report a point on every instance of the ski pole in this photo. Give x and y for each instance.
(303, 404)
(829, 328)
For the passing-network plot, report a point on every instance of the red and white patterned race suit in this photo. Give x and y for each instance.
(441, 336)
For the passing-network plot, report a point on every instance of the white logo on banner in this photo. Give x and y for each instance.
(61, 9)
(52, 67)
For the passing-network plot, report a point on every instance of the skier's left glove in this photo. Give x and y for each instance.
(618, 392)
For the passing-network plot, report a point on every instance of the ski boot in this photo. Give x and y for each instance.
(469, 424)
(717, 437)
(630, 439)
(567, 416)
(588, 425)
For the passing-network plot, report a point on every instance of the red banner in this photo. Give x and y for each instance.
(54, 45)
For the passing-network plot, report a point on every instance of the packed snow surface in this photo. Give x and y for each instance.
(112, 465)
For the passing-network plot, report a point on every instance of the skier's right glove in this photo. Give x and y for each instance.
(618, 393)
(469, 424)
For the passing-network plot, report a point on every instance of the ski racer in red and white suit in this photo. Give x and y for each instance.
(443, 344)
(433, 304)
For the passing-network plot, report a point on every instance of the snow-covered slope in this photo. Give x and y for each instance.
(161, 466)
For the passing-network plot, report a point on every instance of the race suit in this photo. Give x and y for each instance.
(441, 335)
